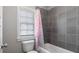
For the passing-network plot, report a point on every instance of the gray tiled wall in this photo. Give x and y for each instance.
(44, 15)
(62, 27)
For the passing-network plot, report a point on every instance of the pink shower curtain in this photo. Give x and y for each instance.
(39, 39)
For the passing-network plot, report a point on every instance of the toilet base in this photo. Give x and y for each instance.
(32, 52)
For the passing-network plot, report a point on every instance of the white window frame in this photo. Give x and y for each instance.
(21, 38)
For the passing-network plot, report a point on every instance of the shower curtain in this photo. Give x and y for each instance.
(39, 38)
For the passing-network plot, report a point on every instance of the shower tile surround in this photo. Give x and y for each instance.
(44, 16)
(61, 27)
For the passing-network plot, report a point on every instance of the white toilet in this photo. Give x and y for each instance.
(28, 46)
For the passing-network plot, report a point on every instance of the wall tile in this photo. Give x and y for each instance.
(64, 24)
(61, 44)
(71, 39)
(61, 37)
(71, 47)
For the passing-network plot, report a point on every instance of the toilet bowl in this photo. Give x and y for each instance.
(28, 46)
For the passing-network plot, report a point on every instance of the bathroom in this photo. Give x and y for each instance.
(59, 26)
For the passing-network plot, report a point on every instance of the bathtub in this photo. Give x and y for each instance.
(49, 48)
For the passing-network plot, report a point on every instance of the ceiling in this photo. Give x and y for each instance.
(47, 7)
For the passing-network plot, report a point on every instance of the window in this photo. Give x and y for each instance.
(26, 23)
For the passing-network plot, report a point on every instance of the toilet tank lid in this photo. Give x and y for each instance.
(29, 41)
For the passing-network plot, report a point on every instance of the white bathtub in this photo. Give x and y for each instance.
(49, 48)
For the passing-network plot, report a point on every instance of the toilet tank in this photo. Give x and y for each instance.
(28, 45)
